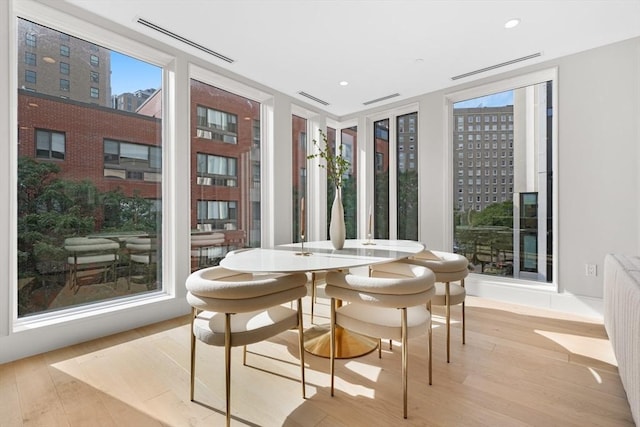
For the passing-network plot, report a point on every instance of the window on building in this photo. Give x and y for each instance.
(50, 144)
(94, 60)
(64, 68)
(30, 58)
(126, 160)
(64, 50)
(94, 77)
(217, 170)
(30, 76)
(64, 85)
(31, 39)
(217, 125)
(218, 214)
(94, 92)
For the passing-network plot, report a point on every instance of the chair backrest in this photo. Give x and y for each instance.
(221, 290)
(447, 266)
(141, 244)
(85, 250)
(391, 284)
(206, 239)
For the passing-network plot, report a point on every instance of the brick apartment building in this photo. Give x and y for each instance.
(80, 138)
(116, 149)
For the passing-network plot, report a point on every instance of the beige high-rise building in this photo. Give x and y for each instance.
(81, 69)
(483, 156)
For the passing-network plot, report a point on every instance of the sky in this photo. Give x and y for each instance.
(129, 74)
(494, 100)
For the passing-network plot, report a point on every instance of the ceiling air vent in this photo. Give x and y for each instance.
(184, 40)
(493, 67)
(313, 98)
(384, 98)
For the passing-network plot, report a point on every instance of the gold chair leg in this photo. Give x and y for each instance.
(448, 315)
(193, 355)
(379, 348)
(313, 294)
(332, 344)
(405, 360)
(463, 322)
(463, 328)
(301, 346)
(227, 364)
(430, 348)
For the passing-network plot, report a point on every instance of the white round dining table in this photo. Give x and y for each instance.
(317, 256)
(320, 255)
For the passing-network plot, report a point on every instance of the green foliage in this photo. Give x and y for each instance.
(496, 214)
(335, 164)
(51, 209)
(125, 213)
(408, 205)
(350, 204)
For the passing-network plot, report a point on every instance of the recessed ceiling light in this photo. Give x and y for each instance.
(344, 83)
(512, 23)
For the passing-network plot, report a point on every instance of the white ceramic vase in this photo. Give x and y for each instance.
(337, 230)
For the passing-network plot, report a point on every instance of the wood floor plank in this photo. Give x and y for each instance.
(520, 367)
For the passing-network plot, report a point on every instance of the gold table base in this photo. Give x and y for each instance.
(317, 341)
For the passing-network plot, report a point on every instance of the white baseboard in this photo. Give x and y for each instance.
(535, 296)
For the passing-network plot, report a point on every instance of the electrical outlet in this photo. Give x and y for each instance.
(591, 270)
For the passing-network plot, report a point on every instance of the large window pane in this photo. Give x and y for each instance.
(381, 183)
(299, 154)
(331, 189)
(225, 158)
(90, 192)
(407, 148)
(503, 182)
(349, 139)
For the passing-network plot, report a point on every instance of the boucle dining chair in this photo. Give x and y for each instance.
(85, 253)
(233, 309)
(448, 268)
(390, 303)
(142, 251)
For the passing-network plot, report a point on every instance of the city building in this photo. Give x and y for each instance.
(61, 65)
(131, 101)
(483, 141)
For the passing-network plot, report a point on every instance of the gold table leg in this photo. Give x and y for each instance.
(317, 341)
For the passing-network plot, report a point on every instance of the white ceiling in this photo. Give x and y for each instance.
(382, 47)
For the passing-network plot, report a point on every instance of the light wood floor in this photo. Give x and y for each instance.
(520, 366)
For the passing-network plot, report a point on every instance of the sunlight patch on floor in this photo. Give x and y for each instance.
(595, 348)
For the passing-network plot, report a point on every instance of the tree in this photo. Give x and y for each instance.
(496, 214)
(49, 209)
(124, 213)
(408, 205)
